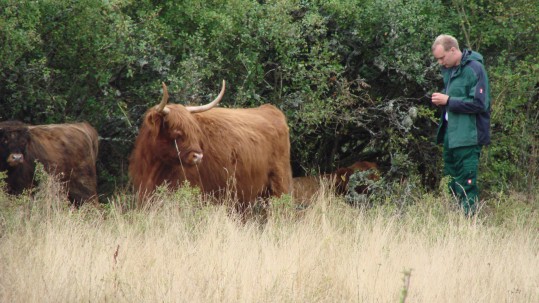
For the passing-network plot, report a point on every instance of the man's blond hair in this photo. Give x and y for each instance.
(447, 41)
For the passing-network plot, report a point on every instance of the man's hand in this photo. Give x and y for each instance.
(439, 99)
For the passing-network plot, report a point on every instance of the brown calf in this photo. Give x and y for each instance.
(304, 188)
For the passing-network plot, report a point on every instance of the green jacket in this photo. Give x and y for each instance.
(468, 107)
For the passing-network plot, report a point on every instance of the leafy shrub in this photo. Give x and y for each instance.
(347, 74)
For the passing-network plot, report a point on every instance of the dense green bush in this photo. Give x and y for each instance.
(350, 75)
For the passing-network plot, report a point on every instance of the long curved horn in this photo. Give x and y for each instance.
(201, 108)
(161, 107)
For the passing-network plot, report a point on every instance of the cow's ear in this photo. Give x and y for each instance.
(154, 122)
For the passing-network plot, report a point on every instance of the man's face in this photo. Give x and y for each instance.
(446, 58)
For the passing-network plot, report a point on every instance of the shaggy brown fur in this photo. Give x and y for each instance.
(343, 176)
(244, 150)
(305, 187)
(66, 150)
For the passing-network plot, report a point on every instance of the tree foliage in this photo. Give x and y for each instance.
(351, 76)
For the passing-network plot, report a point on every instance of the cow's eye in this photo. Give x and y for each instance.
(177, 134)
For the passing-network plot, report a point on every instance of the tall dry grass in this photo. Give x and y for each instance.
(185, 250)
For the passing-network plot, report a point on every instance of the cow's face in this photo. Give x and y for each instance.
(177, 136)
(174, 132)
(13, 142)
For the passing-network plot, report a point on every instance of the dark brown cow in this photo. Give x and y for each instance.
(304, 188)
(66, 150)
(215, 149)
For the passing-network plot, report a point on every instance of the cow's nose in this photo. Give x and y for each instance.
(15, 159)
(197, 158)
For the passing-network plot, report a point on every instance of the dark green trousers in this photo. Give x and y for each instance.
(461, 164)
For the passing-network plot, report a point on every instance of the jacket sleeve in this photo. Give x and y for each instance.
(475, 101)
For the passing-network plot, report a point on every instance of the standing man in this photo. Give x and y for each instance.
(465, 122)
